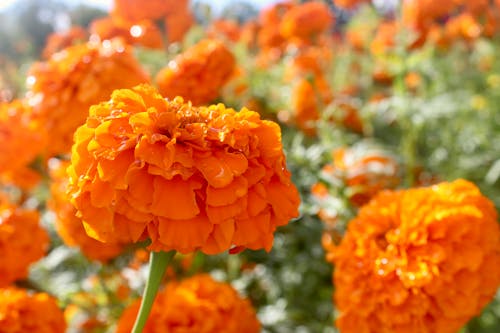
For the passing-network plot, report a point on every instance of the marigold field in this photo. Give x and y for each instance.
(285, 166)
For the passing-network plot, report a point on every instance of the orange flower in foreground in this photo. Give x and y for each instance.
(22, 311)
(62, 89)
(22, 242)
(22, 137)
(196, 305)
(306, 20)
(199, 73)
(188, 178)
(70, 227)
(419, 260)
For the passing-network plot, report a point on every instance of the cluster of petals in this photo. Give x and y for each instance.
(22, 241)
(418, 260)
(62, 89)
(306, 21)
(68, 225)
(363, 169)
(174, 14)
(22, 137)
(195, 305)
(58, 41)
(199, 73)
(187, 178)
(22, 311)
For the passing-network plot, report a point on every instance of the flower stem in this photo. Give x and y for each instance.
(158, 263)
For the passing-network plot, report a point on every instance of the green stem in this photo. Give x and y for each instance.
(158, 263)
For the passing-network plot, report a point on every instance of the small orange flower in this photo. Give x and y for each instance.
(23, 141)
(199, 73)
(187, 178)
(62, 89)
(196, 305)
(418, 260)
(307, 20)
(178, 23)
(138, 10)
(58, 41)
(305, 107)
(22, 242)
(21, 312)
(143, 33)
(229, 29)
(70, 227)
(349, 4)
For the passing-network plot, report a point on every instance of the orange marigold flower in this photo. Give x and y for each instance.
(68, 225)
(58, 41)
(22, 311)
(138, 10)
(418, 260)
(307, 20)
(187, 178)
(198, 305)
(22, 137)
(62, 89)
(178, 23)
(143, 33)
(365, 171)
(199, 73)
(349, 4)
(305, 106)
(22, 242)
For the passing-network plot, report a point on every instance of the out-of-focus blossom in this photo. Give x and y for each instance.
(62, 89)
(196, 305)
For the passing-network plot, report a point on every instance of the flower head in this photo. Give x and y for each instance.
(21, 311)
(22, 242)
(187, 178)
(199, 73)
(198, 305)
(68, 225)
(138, 10)
(307, 20)
(418, 260)
(24, 137)
(62, 89)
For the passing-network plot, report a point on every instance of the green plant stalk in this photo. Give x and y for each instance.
(158, 263)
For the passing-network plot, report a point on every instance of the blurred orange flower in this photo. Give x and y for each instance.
(418, 260)
(25, 141)
(22, 311)
(62, 89)
(199, 73)
(305, 107)
(138, 10)
(22, 242)
(349, 4)
(58, 41)
(70, 227)
(143, 33)
(178, 23)
(187, 178)
(307, 20)
(196, 305)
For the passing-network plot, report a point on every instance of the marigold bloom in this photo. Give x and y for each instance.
(365, 171)
(199, 73)
(22, 242)
(62, 89)
(58, 41)
(418, 260)
(68, 225)
(305, 107)
(21, 312)
(196, 305)
(307, 20)
(178, 23)
(349, 4)
(138, 10)
(23, 140)
(143, 33)
(185, 177)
